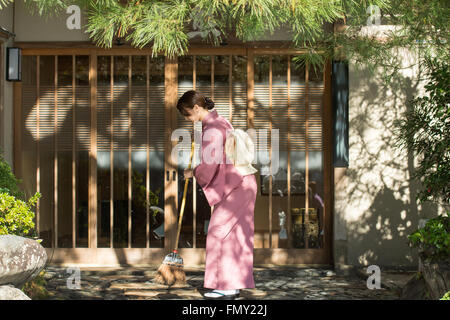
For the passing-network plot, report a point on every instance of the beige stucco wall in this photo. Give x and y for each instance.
(6, 95)
(35, 28)
(6, 15)
(375, 207)
(32, 27)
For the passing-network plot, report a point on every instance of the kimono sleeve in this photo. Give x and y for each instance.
(205, 173)
(211, 157)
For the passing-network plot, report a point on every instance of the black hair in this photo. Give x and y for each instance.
(191, 98)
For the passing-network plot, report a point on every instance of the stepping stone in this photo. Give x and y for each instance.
(253, 293)
(180, 292)
(136, 286)
(140, 293)
(119, 277)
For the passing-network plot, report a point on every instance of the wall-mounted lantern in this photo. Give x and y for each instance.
(13, 64)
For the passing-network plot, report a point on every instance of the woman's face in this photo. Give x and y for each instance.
(193, 114)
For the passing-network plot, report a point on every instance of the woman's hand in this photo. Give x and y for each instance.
(188, 173)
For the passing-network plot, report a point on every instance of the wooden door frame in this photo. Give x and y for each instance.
(2, 95)
(145, 256)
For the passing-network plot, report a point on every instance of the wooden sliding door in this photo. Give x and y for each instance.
(287, 108)
(290, 112)
(95, 134)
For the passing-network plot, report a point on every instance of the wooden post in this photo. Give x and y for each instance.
(74, 154)
(170, 205)
(147, 149)
(288, 213)
(270, 154)
(55, 156)
(92, 240)
(305, 220)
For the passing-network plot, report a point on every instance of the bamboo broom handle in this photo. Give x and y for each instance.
(184, 198)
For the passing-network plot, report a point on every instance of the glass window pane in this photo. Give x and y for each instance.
(156, 154)
(203, 72)
(138, 199)
(280, 99)
(156, 195)
(221, 70)
(46, 148)
(279, 70)
(314, 228)
(103, 70)
(105, 136)
(120, 199)
(261, 69)
(65, 70)
(185, 72)
(222, 85)
(82, 212)
(157, 71)
(82, 147)
(298, 176)
(239, 92)
(29, 70)
(262, 122)
(65, 199)
(47, 71)
(121, 64)
(104, 199)
(139, 70)
(65, 143)
(82, 70)
(297, 72)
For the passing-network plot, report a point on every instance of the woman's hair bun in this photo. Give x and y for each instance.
(209, 104)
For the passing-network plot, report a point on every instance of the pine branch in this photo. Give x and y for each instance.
(4, 3)
(164, 25)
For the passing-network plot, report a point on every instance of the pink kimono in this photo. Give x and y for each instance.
(229, 241)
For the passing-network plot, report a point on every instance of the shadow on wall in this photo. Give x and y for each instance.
(378, 207)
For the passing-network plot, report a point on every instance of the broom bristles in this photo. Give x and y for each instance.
(170, 274)
(180, 275)
(164, 275)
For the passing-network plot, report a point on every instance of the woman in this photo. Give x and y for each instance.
(229, 241)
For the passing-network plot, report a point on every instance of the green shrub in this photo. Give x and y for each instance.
(16, 216)
(8, 182)
(425, 130)
(433, 240)
(446, 296)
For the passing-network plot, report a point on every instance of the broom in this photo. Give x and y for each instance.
(171, 270)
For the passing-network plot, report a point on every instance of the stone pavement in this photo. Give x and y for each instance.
(293, 283)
